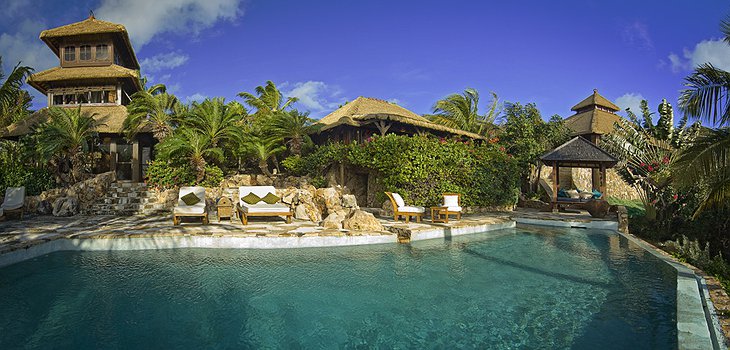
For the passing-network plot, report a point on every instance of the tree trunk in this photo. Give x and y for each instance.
(264, 166)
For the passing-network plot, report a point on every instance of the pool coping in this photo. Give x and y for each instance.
(114, 243)
(695, 330)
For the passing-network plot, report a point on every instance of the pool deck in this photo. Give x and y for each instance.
(38, 235)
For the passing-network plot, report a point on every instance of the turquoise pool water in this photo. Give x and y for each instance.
(518, 288)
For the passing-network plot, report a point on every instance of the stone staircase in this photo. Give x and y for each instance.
(126, 198)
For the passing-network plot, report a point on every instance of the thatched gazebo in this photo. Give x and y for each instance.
(578, 153)
(365, 116)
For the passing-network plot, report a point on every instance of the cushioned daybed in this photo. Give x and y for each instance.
(260, 201)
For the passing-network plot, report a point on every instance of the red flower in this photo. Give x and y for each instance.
(650, 168)
(642, 164)
(665, 160)
(675, 197)
(502, 149)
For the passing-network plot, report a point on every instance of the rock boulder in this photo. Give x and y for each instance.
(66, 206)
(360, 220)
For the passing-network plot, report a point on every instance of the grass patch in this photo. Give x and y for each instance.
(634, 206)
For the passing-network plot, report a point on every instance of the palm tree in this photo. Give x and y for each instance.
(268, 100)
(219, 121)
(707, 161)
(462, 112)
(14, 102)
(66, 135)
(648, 154)
(193, 146)
(160, 110)
(294, 127)
(262, 149)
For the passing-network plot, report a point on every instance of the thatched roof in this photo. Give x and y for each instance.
(88, 26)
(593, 121)
(39, 80)
(364, 110)
(110, 119)
(579, 152)
(596, 100)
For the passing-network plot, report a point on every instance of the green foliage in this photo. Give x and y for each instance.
(527, 137)
(165, 175)
(647, 155)
(689, 250)
(461, 111)
(14, 102)
(634, 207)
(421, 168)
(151, 107)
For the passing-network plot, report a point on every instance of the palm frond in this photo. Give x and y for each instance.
(706, 96)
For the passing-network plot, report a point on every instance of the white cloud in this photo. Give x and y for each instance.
(712, 51)
(196, 97)
(25, 47)
(163, 61)
(637, 34)
(144, 19)
(630, 100)
(13, 7)
(316, 96)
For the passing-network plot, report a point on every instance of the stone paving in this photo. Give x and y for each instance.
(33, 230)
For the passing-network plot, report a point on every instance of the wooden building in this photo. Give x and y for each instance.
(365, 116)
(594, 116)
(98, 72)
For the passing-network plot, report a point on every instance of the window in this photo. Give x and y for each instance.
(85, 52)
(82, 97)
(102, 52)
(69, 53)
(58, 99)
(69, 99)
(96, 97)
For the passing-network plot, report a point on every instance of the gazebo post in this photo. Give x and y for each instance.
(603, 180)
(556, 184)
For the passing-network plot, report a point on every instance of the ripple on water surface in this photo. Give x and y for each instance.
(515, 288)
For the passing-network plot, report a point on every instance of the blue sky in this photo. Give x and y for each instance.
(326, 52)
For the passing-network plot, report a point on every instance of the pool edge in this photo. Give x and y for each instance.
(692, 292)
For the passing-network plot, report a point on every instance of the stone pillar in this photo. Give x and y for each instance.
(136, 166)
(113, 156)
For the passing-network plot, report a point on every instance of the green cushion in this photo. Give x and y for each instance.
(190, 199)
(251, 198)
(270, 198)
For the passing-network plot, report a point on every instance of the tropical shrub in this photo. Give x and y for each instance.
(164, 175)
(421, 168)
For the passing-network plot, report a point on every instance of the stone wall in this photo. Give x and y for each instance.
(581, 178)
(85, 192)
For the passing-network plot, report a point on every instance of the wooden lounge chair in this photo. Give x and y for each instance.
(260, 208)
(452, 203)
(401, 209)
(13, 202)
(198, 209)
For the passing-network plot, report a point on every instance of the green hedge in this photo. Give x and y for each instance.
(421, 168)
(165, 175)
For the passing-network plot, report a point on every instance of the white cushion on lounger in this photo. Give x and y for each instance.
(197, 208)
(398, 200)
(14, 198)
(454, 209)
(264, 208)
(411, 209)
(451, 201)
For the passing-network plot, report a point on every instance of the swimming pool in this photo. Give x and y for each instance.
(527, 287)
